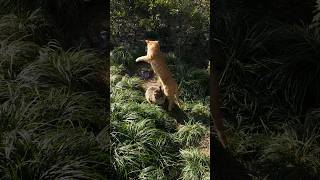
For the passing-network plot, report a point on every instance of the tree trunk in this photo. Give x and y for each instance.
(215, 105)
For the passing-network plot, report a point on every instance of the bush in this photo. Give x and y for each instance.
(182, 26)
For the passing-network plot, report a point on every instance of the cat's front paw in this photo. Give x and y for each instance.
(138, 59)
(141, 58)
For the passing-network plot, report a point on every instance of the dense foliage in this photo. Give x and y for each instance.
(270, 91)
(52, 99)
(181, 26)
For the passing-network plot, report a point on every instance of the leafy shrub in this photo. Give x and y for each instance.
(121, 55)
(182, 26)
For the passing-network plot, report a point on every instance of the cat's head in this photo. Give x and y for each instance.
(152, 45)
(151, 41)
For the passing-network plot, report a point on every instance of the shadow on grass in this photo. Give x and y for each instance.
(178, 114)
(200, 118)
(183, 116)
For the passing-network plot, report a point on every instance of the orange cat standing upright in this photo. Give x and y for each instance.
(156, 59)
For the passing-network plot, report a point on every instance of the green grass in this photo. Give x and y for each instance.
(50, 154)
(121, 56)
(152, 173)
(146, 142)
(71, 69)
(190, 134)
(269, 95)
(52, 111)
(195, 165)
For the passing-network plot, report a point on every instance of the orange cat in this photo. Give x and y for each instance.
(156, 59)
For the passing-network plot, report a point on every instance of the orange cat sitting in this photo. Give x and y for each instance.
(156, 59)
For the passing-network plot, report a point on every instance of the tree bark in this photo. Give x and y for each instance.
(215, 105)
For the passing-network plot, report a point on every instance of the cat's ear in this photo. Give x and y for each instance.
(147, 41)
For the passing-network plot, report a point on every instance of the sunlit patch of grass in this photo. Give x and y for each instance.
(114, 79)
(152, 172)
(195, 164)
(136, 135)
(197, 110)
(121, 111)
(129, 158)
(190, 134)
(117, 69)
(201, 109)
(116, 75)
(125, 95)
(121, 56)
(137, 130)
(127, 82)
(156, 145)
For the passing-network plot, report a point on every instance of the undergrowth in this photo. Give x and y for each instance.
(270, 96)
(52, 109)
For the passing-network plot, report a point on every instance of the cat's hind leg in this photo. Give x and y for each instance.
(171, 100)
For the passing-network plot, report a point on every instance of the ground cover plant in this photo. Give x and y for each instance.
(148, 142)
(53, 89)
(52, 98)
(270, 90)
